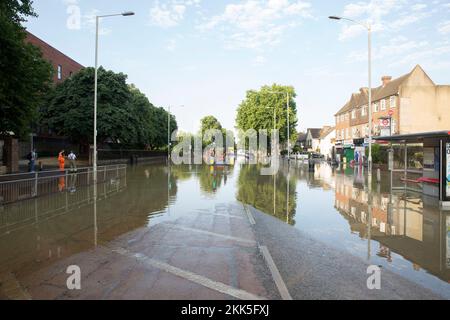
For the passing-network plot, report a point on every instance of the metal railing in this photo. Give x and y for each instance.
(17, 187)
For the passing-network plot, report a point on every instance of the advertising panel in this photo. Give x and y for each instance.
(447, 171)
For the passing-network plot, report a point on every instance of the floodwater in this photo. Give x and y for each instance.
(406, 232)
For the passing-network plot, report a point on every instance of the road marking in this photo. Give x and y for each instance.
(249, 215)
(211, 233)
(218, 214)
(193, 277)
(285, 295)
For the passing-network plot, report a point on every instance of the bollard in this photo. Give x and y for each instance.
(378, 175)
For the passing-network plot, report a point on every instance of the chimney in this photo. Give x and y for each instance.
(385, 80)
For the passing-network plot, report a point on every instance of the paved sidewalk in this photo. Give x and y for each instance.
(201, 255)
(230, 252)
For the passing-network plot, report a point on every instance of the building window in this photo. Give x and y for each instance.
(375, 107)
(353, 114)
(392, 102)
(70, 74)
(59, 72)
(394, 126)
(364, 111)
(383, 105)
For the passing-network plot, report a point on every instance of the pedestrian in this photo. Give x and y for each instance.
(61, 160)
(32, 157)
(72, 158)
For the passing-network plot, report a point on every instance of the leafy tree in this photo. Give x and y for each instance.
(210, 123)
(24, 75)
(124, 114)
(257, 110)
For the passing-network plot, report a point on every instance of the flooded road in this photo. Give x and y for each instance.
(407, 234)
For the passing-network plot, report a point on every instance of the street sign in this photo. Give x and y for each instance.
(385, 123)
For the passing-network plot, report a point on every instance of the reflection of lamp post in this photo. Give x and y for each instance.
(369, 30)
(97, 20)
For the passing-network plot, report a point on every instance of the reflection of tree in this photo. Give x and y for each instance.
(181, 172)
(212, 177)
(258, 191)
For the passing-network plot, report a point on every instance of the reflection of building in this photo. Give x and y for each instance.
(405, 225)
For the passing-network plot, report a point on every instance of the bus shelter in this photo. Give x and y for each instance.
(433, 175)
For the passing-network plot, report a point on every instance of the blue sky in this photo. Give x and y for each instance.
(205, 54)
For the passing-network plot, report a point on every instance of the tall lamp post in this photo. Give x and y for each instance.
(368, 26)
(97, 20)
(288, 122)
(168, 131)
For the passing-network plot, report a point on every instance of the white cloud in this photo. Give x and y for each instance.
(171, 45)
(167, 16)
(88, 21)
(419, 7)
(444, 27)
(397, 47)
(259, 61)
(257, 23)
(372, 11)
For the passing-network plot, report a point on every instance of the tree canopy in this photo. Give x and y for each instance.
(257, 110)
(125, 115)
(25, 75)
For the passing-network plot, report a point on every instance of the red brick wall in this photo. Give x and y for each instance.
(55, 57)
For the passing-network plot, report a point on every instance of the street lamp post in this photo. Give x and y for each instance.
(369, 31)
(97, 20)
(288, 122)
(168, 131)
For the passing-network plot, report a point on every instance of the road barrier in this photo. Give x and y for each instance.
(21, 186)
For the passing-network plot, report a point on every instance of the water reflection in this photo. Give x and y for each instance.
(407, 224)
(406, 232)
(275, 195)
(37, 232)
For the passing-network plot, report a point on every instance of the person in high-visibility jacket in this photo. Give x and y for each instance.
(61, 160)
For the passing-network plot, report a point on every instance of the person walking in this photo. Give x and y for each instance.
(61, 160)
(32, 157)
(72, 158)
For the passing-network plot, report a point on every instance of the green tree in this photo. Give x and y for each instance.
(210, 123)
(125, 115)
(25, 76)
(256, 111)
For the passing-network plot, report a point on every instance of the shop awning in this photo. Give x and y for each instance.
(414, 137)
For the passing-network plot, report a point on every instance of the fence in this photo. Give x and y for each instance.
(16, 187)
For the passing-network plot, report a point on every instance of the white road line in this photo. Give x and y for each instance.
(211, 233)
(285, 295)
(218, 215)
(193, 277)
(249, 215)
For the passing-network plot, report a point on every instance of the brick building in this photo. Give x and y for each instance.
(63, 65)
(409, 104)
